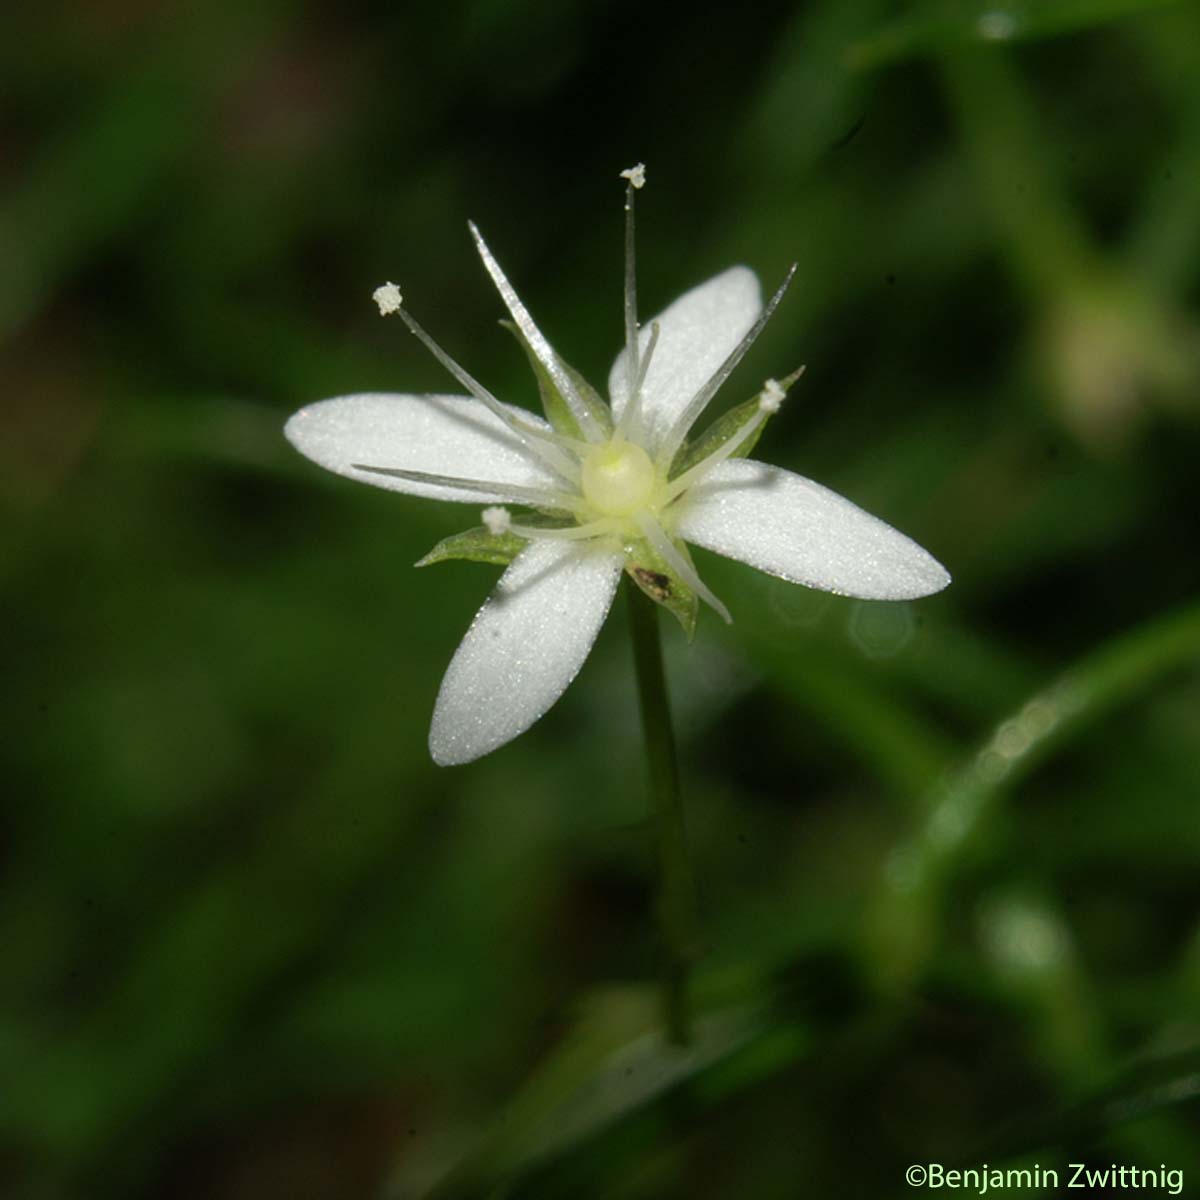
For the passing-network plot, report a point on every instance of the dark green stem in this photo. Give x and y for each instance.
(674, 894)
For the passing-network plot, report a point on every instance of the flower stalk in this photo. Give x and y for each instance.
(675, 893)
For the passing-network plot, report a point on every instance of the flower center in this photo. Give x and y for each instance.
(618, 479)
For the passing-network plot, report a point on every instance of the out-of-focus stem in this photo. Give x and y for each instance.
(1047, 244)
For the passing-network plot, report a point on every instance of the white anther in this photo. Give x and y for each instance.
(388, 298)
(497, 519)
(636, 175)
(771, 397)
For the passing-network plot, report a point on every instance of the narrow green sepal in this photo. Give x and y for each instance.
(476, 545)
(728, 425)
(558, 412)
(660, 582)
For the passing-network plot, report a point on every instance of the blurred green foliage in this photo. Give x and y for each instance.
(255, 945)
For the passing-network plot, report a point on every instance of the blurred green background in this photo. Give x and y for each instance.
(254, 944)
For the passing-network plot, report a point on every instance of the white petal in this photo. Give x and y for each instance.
(789, 526)
(696, 333)
(524, 647)
(439, 435)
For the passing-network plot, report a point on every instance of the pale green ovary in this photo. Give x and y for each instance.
(619, 479)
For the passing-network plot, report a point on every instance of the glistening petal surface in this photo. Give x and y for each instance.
(439, 435)
(791, 527)
(524, 647)
(696, 334)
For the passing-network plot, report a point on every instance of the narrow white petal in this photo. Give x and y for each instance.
(696, 334)
(524, 647)
(788, 526)
(437, 435)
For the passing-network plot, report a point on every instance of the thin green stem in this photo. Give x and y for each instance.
(674, 906)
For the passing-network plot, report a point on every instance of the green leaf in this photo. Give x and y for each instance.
(961, 802)
(558, 412)
(613, 1064)
(654, 576)
(727, 426)
(476, 545)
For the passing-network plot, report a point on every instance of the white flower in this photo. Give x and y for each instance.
(607, 488)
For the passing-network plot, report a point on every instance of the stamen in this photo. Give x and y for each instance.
(633, 406)
(567, 533)
(657, 537)
(538, 441)
(686, 419)
(388, 298)
(536, 497)
(537, 341)
(497, 519)
(681, 483)
(637, 179)
(769, 401)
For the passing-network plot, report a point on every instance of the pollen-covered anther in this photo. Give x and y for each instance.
(771, 397)
(497, 520)
(388, 297)
(636, 175)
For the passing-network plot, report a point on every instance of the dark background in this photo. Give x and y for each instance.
(254, 944)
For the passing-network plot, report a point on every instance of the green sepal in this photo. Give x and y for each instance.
(728, 425)
(476, 545)
(558, 412)
(661, 583)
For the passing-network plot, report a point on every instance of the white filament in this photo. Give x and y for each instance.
(537, 441)
(518, 494)
(654, 533)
